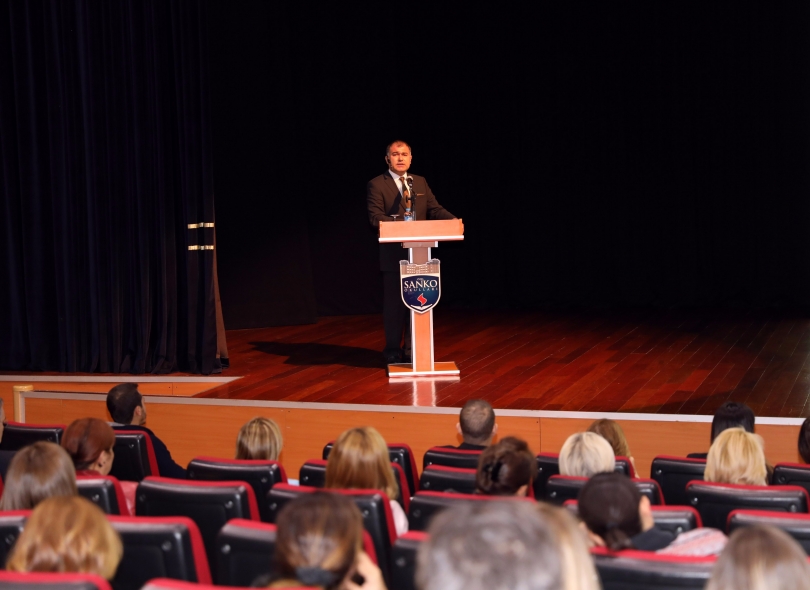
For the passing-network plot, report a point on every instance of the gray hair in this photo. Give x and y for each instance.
(585, 454)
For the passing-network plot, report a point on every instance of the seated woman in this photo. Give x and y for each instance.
(506, 468)
(39, 471)
(737, 456)
(761, 558)
(90, 442)
(585, 454)
(320, 543)
(618, 517)
(259, 439)
(67, 534)
(613, 433)
(360, 460)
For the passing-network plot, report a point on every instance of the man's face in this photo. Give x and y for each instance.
(142, 418)
(399, 158)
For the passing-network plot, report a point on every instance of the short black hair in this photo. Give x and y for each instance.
(732, 415)
(477, 419)
(122, 401)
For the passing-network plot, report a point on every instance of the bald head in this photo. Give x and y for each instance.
(477, 422)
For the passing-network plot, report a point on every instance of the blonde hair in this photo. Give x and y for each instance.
(585, 454)
(36, 472)
(613, 433)
(259, 439)
(578, 571)
(67, 534)
(360, 460)
(760, 557)
(737, 456)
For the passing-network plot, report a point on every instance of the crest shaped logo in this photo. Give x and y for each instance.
(421, 285)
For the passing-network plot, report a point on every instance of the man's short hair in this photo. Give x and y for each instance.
(122, 401)
(396, 142)
(732, 415)
(477, 419)
(486, 545)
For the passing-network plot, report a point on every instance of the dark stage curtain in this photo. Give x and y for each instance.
(105, 159)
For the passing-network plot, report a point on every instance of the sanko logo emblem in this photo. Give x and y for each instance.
(421, 292)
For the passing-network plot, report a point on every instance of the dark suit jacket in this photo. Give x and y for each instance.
(383, 199)
(166, 465)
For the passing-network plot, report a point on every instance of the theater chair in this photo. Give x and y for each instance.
(560, 488)
(134, 456)
(403, 560)
(644, 570)
(795, 525)
(313, 474)
(425, 504)
(167, 547)
(105, 492)
(18, 435)
(792, 474)
(373, 505)
(715, 501)
(548, 464)
(12, 523)
(259, 474)
(438, 478)
(450, 458)
(673, 473)
(624, 465)
(209, 504)
(168, 584)
(51, 581)
(402, 455)
(245, 549)
(676, 519)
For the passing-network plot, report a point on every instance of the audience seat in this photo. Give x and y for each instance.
(548, 464)
(439, 478)
(402, 455)
(313, 474)
(105, 492)
(245, 550)
(796, 525)
(403, 560)
(134, 456)
(209, 504)
(673, 473)
(450, 458)
(12, 523)
(17, 435)
(677, 519)
(791, 474)
(51, 581)
(645, 570)
(715, 501)
(260, 475)
(169, 584)
(166, 547)
(560, 488)
(425, 504)
(374, 506)
(624, 465)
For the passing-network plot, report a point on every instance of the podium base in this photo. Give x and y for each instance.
(405, 370)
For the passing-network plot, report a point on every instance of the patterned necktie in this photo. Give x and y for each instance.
(406, 194)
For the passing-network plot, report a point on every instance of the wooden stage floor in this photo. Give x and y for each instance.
(651, 361)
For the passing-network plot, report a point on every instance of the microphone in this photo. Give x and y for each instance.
(409, 180)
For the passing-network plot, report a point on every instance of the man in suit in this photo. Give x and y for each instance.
(387, 195)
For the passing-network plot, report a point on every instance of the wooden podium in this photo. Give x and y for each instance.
(419, 237)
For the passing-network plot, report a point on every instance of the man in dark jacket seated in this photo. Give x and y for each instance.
(476, 425)
(128, 412)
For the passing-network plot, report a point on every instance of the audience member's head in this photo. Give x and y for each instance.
(613, 433)
(476, 422)
(579, 572)
(732, 415)
(319, 539)
(39, 471)
(804, 441)
(67, 534)
(486, 545)
(2, 418)
(614, 510)
(125, 404)
(360, 460)
(737, 456)
(761, 558)
(506, 468)
(259, 439)
(90, 442)
(585, 454)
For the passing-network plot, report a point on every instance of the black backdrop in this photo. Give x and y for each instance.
(600, 153)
